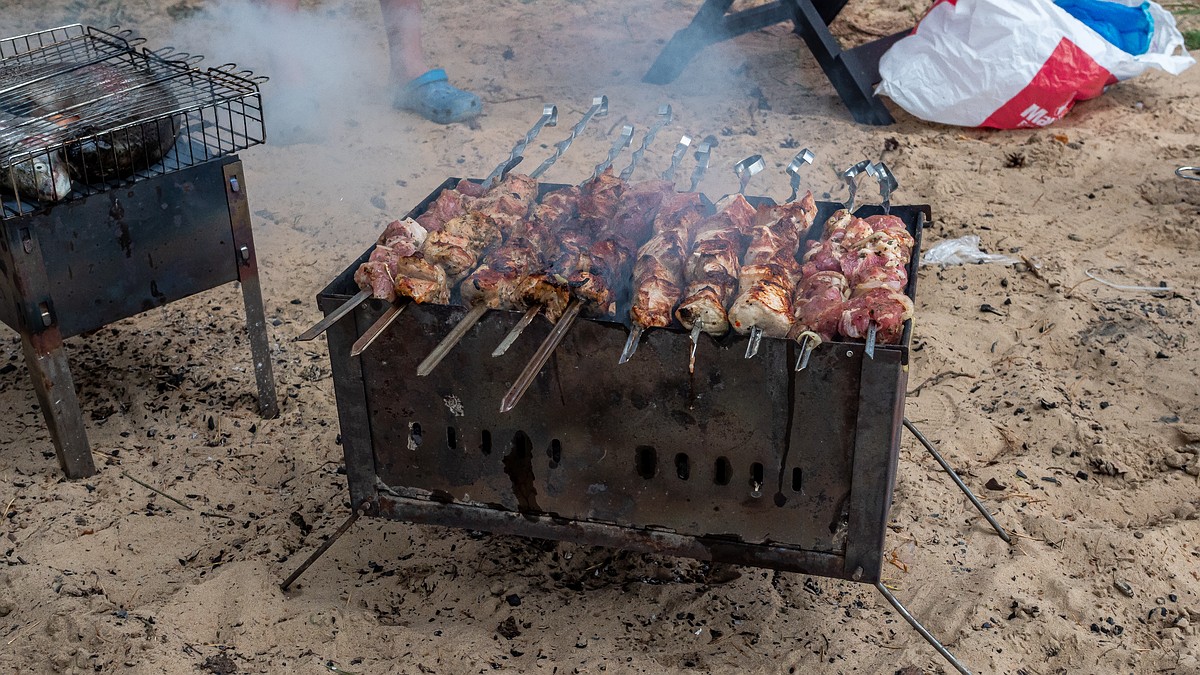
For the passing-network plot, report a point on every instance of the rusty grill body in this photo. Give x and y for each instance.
(746, 462)
(118, 247)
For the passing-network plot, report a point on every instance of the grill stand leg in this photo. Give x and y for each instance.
(316, 555)
(51, 375)
(912, 621)
(247, 267)
(958, 481)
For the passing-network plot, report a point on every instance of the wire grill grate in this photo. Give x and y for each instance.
(95, 108)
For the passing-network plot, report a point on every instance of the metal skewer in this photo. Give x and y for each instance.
(702, 155)
(681, 148)
(526, 319)
(695, 337)
(476, 313)
(622, 142)
(850, 177)
(333, 317)
(745, 170)
(631, 344)
(549, 118)
(803, 157)
(376, 329)
(665, 115)
(809, 341)
(599, 108)
(535, 365)
(452, 338)
(887, 184)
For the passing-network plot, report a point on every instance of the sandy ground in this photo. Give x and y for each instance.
(1075, 400)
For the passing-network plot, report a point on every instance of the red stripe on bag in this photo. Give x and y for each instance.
(1069, 75)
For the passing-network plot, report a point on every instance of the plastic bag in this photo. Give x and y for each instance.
(962, 251)
(1009, 64)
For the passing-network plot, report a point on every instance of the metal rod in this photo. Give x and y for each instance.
(540, 357)
(872, 335)
(452, 338)
(376, 329)
(958, 481)
(887, 183)
(599, 107)
(549, 118)
(912, 621)
(664, 115)
(323, 548)
(623, 140)
(746, 169)
(703, 154)
(681, 149)
(517, 330)
(695, 337)
(631, 345)
(808, 342)
(753, 343)
(850, 177)
(803, 157)
(333, 317)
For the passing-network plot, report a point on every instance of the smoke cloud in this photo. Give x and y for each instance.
(317, 60)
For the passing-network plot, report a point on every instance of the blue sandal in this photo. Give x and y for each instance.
(434, 98)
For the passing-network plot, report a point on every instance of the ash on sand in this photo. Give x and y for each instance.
(1077, 398)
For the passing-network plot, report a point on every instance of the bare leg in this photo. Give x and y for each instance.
(402, 20)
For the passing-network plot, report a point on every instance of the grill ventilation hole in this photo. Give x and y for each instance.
(486, 445)
(722, 472)
(683, 468)
(756, 479)
(451, 438)
(554, 452)
(797, 477)
(647, 461)
(414, 435)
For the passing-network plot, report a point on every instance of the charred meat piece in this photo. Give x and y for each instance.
(887, 309)
(658, 274)
(769, 269)
(400, 238)
(818, 302)
(711, 271)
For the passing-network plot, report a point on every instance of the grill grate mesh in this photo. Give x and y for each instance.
(98, 107)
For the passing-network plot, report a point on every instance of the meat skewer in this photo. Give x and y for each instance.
(769, 270)
(549, 118)
(593, 274)
(887, 183)
(658, 271)
(511, 258)
(449, 254)
(711, 271)
(454, 242)
(534, 306)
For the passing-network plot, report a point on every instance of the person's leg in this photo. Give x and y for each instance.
(425, 92)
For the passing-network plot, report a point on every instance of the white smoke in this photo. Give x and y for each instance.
(318, 60)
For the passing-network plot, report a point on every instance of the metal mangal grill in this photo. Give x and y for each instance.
(747, 461)
(156, 208)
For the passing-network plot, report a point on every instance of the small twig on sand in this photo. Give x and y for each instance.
(931, 381)
(18, 631)
(156, 490)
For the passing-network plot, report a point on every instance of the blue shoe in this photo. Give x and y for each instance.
(434, 98)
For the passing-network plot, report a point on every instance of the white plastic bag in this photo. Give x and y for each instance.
(962, 251)
(1008, 64)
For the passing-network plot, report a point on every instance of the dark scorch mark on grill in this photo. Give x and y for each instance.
(518, 464)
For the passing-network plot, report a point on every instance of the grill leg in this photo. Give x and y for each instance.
(316, 555)
(51, 375)
(912, 621)
(247, 267)
(958, 481)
